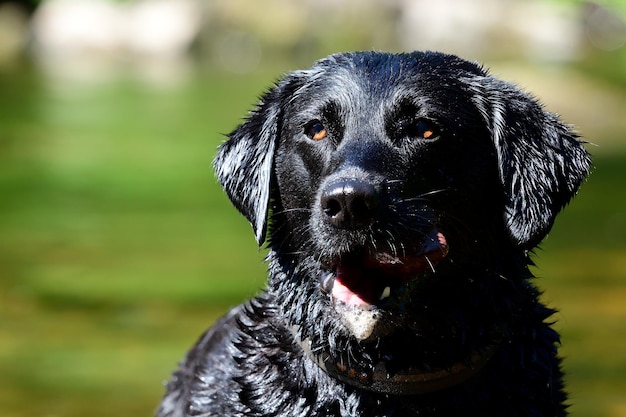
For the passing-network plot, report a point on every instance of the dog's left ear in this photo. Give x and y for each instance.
(542, 162)
(244, 163)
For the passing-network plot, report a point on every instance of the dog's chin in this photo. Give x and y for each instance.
(368, 289)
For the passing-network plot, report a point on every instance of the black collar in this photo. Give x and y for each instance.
(405, 382)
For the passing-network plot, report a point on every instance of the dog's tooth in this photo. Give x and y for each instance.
(327, 281)
(386, 293)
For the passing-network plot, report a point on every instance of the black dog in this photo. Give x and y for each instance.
(402, 195)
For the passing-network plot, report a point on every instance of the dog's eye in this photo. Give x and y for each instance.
(424, 129)
(420, 129)
(315, 130)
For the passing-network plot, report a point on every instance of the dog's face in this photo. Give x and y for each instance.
(379, 175)
(396, 184)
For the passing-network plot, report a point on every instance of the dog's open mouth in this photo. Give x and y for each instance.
(363, 283)
(370, 279)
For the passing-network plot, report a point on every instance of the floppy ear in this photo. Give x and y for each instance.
(542, 162)
(244, 163)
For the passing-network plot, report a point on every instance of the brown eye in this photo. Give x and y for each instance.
(425, 130)
(419, 129)
(315, 130)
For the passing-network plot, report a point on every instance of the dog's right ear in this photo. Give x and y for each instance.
(244, 163)
(542, 162)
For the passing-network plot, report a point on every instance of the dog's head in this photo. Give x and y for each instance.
(384, 174)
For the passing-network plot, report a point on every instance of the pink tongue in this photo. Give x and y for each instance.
(360, 282)
(353, 285)
(343, 293)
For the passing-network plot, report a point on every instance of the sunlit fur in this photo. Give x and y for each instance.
(493, 180)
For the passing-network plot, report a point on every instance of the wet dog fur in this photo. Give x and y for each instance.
(401, 196)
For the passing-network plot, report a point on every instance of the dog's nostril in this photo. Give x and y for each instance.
(350, 204)
(331, 207)
(361, 207)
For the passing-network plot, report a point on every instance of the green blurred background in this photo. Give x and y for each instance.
(117, 247)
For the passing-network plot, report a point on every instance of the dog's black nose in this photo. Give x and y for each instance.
(349, 204)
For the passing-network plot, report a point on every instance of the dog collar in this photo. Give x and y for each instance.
(404, 382)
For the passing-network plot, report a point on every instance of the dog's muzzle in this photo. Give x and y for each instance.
(363, 280)
(364, 286)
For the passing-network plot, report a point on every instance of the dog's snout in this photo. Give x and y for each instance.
(349, 204)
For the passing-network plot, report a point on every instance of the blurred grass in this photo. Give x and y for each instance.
(117, 247)
(582, 267)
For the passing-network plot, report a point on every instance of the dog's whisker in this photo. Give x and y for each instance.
(403, 248)
(423, 197)
(394, 181)
(294, 210)
(430, 264)
(502, 277)
(390, 243)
